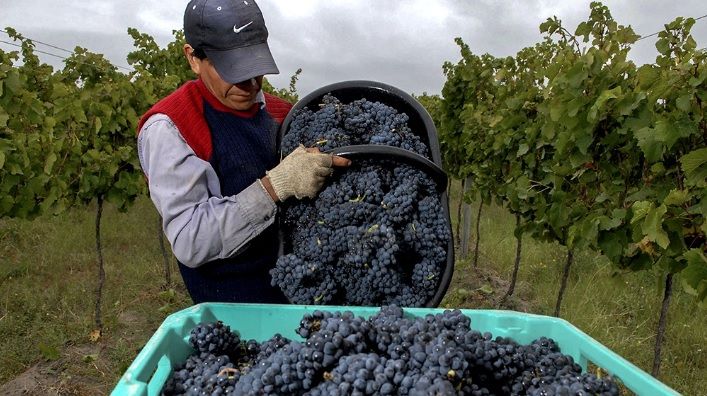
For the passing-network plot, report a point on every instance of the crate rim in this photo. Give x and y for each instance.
(128, 383)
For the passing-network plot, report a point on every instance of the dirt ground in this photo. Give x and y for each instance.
(482, 288)
(52, 378)
(81, 370)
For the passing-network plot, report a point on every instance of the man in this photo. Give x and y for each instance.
(209, 151)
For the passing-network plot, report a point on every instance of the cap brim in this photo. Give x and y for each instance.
(240, 64)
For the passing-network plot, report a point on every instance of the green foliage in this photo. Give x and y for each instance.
(695, 274)
(433, 105)
(71, 134)
(588, 148)
(158, 71)
(68, 136)
(290, 93)
(28, 147)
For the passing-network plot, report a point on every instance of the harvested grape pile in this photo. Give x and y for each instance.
(387, 354)
(377, 233)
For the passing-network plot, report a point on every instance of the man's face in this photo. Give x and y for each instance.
(239, 96)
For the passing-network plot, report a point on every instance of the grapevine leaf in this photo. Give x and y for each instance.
(658, 168)
(6, 203)
(584, 140)
(684, 102)
(648, 75)
(116, 197)
(653, 226)
(640, 262)
(522, 149)
(556, 110)
(606, 223)
(677, 197)
(557, 216)
(12, 82)
(672, 132)
(574, 106)
(663, 46)
(583, 29)
(619, 214)
(697, 80)
(602, 197)
(694, 164)
(585, 230)
(649, 143)
(576, 75)
(640, 210)
(15, 169)
(694, 277)
(601, 100)
(59, 91)
(612, 245)
(49, 163)
(522, 187)
(690, 43)
(2, 159)
(670, 265)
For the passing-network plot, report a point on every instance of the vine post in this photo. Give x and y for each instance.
(98, 331)
(460, 205)
(478, 234)
(563, 282)
(465, 219)
(516, 264)
(166, 257)
(662, 324)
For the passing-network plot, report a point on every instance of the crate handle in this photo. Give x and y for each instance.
(159, 378)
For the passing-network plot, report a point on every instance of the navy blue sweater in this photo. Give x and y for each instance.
(242, 150)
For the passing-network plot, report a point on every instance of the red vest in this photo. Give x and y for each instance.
(185, 107)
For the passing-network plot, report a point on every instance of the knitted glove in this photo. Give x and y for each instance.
(301, 174)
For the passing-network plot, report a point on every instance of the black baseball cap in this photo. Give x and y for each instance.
(233, 35)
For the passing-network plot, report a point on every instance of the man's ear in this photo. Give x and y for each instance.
(194, 62)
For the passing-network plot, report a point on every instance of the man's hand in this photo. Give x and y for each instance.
(302, 173)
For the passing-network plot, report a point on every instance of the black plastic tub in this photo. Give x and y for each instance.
(420, 123)
(347, 91)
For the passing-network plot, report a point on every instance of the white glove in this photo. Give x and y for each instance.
(301, 174)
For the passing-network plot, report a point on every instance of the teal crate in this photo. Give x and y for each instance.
(169, 346)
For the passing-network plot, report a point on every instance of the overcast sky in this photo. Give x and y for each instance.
(401, 43)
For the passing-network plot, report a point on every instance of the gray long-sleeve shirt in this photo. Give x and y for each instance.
(200, 223)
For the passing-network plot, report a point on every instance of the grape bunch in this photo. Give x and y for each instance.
(337, 124)
(390, 353)
(219, 359)
(376, 234)
(214, 338)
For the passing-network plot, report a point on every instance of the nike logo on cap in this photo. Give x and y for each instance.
(238, 29)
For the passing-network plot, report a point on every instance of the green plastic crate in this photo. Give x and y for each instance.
(169, 346)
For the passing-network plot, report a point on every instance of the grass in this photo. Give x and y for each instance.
(48, 274)
(48, 277)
